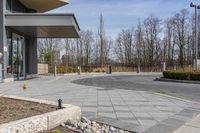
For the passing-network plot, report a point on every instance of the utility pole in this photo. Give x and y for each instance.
(193, 5)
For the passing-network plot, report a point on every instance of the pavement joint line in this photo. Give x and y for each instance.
(168, 96)
(147, 111)
(112, 105)
(130, 109)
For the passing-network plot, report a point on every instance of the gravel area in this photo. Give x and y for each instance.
(12, 109)
(87, 126)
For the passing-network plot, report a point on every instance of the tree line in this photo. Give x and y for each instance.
(147, 45)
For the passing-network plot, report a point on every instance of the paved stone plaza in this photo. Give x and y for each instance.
(134, 110)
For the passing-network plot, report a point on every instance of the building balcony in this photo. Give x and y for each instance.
(43, 5)
(41, 25)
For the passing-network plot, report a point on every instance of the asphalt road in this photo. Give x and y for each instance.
(144, 83)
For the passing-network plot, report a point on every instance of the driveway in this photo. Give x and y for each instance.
(121, 101)
(144, 83)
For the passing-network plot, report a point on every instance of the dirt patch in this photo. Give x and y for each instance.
(59, 130)
(12, 109)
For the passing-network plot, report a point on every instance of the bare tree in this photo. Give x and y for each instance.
(101, 34)
(46, 48)
(180, 25)
(152, 42)
(151, 36)
(138, 42)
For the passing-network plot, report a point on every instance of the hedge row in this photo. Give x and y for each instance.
(62, 69)
(182, 75)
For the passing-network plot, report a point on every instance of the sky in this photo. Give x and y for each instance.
(120, 14)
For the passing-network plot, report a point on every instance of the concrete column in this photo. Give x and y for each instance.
(31, 55)
(35, 57)
(55, 70)
(2, 33)
(164, 66)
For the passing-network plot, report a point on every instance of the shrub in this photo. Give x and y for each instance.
(57, 131)
(63, 69)
(182, 75)
(195, 76)
(100, 70)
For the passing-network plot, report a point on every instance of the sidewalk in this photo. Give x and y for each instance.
(193, 126)
(137, 111)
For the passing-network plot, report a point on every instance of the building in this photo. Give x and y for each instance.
(21, 23)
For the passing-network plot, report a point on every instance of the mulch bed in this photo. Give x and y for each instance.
(12, 109)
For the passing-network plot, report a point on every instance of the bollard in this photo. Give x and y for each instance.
(55, 70)
(163, 66)
(79, 70)
(59, 104)
(109, 69)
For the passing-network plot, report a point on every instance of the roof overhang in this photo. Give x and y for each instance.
(44, 5)
(44, 25)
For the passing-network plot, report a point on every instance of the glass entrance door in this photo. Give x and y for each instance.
(18, 56)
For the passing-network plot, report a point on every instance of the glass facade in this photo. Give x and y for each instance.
(8, 55)
(14, 58)
(14, 48)
(17, 56)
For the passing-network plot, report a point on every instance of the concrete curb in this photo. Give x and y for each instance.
(70, 114)
(177, 81)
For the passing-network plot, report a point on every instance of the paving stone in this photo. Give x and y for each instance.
(124, 115)
(117, 100)
(89, 109)
(176, 123)
(109, 115)
(141, 114)
(188, 113)
(104, 99)
(90, 104)
(159, 119)
(125, 125)
(146, 122)
(195, 123)
(188, 129)
(179, 117)
(104, 104)
(121, 108)
(161, 128)
(136, 109)
(131, 121)
(119, 104)
(77, 104)
(104, 109)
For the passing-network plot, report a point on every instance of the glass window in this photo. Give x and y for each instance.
(17, 6)
(8, 56)
(8, 5)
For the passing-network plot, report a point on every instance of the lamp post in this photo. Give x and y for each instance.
(193, 5)
(197, 52)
